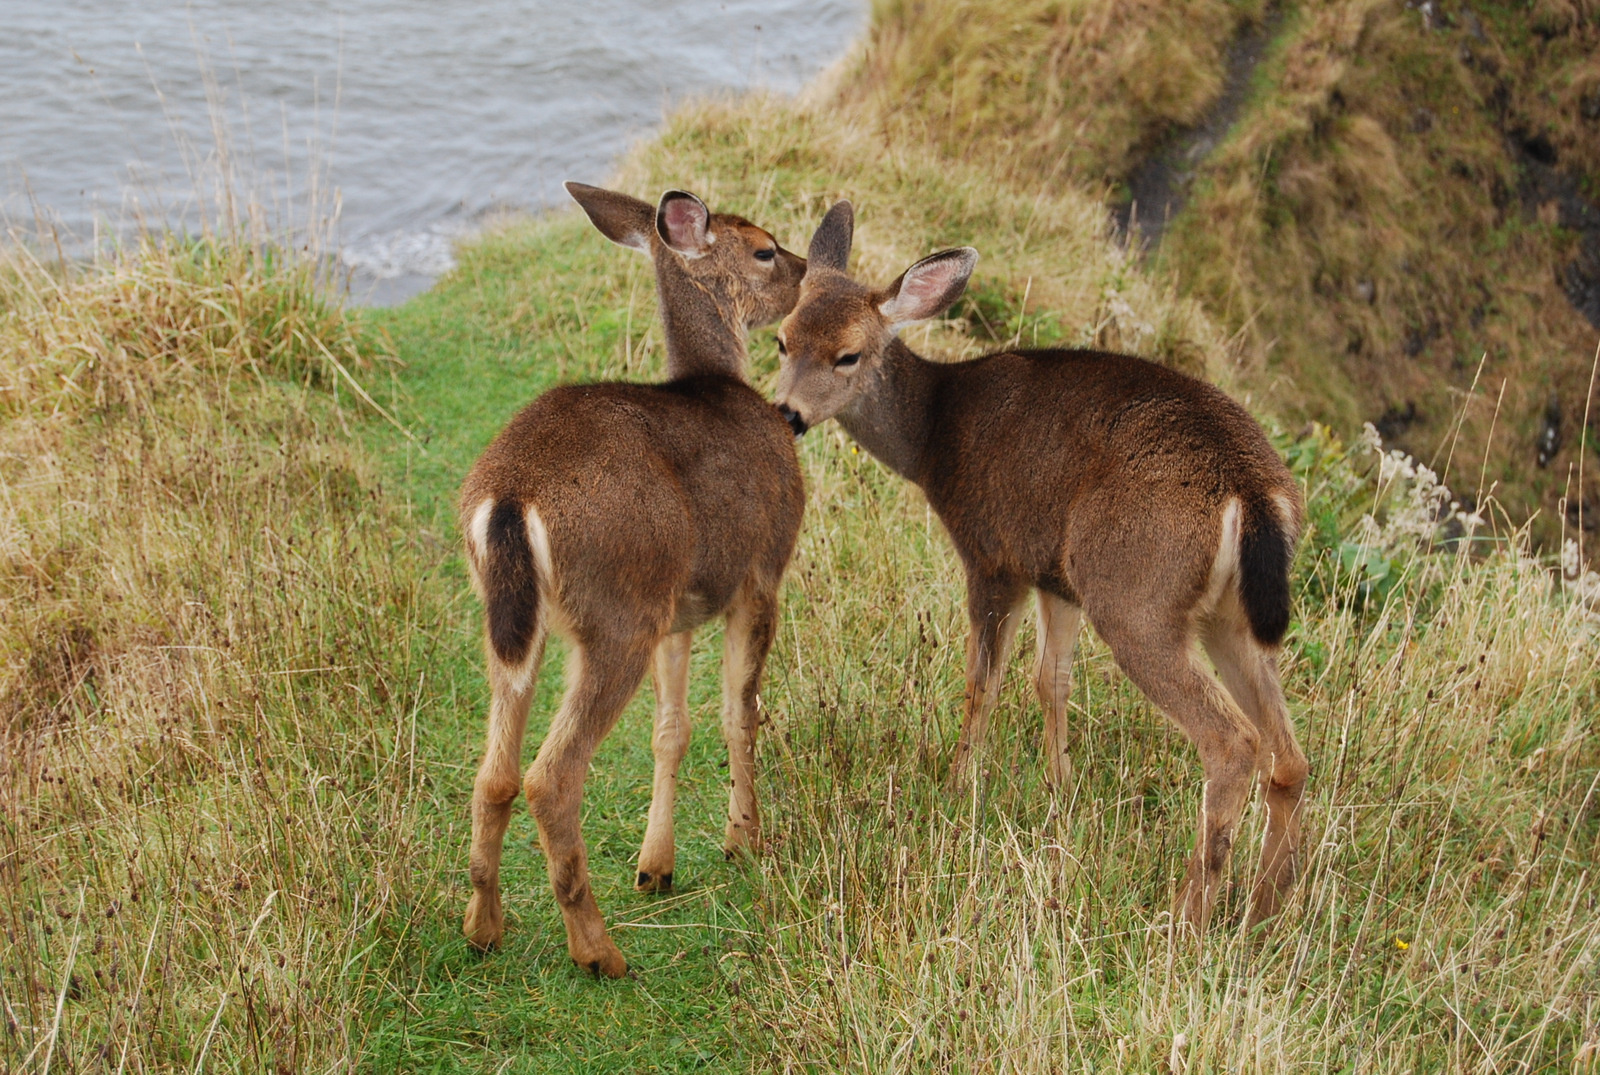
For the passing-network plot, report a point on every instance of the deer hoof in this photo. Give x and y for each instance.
(654, 882)
(485, 921)
(603, 961)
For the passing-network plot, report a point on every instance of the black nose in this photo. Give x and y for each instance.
(792, 416)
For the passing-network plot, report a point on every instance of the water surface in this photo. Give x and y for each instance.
(413, 119)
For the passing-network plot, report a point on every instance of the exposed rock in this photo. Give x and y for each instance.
(1554, 197)
(1536, 145)
(1550, 433)
(1392, 423)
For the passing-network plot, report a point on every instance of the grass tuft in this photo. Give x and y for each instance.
(207, 785)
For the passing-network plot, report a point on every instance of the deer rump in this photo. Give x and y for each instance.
(1131, 461)
(655, 502)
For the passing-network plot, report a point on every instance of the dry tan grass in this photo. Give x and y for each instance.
(217, 847)
(1040, 90)
(1050, 268)
(204, 670)
(1446, 699)
(1445, 917)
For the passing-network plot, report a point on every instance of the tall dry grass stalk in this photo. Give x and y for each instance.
(1445, 690)
(218, 847)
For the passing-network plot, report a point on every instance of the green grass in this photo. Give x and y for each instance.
(890, 928)
(475, 349)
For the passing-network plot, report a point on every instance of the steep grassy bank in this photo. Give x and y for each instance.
(1409, 201)
(209, 669)
(1410, 208)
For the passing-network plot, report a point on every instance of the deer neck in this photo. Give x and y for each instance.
(702, 335)
(891, 416)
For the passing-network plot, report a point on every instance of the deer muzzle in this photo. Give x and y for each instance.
(792, 416)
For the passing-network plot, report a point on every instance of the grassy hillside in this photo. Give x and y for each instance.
(242, 701)
(1408, 204)
(1413, 207)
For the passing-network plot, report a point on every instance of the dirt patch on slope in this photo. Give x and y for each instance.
(1159, 185)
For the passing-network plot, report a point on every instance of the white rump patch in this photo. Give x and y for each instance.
(539, 541)
(478, 540)
(520, 676)
(1225, 566)
(1291, 528)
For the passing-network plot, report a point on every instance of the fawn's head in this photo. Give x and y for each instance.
(750, 279)
(832, 346)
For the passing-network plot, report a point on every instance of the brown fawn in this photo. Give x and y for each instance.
(1114, 487)
(623, 516)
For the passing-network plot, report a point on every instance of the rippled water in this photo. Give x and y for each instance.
(420, 116)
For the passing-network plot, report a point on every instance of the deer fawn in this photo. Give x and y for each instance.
(623, 516)
(1114, 487)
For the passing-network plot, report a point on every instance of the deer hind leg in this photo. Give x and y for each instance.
(1166, 667)
(1052, 678)
(1250, 671)
(670, 741)
(992, 609)
(602, 675)
(752, 624)
(495, 789)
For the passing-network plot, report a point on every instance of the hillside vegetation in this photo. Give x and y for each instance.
(1406, 207)
(241, 680)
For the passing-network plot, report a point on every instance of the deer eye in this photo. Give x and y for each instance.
(847, 360)
(766, 255)
(782, 350)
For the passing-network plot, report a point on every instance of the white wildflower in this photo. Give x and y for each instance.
(1369, 533)
(1369, 441)
(1128, 321)
(1395, 464)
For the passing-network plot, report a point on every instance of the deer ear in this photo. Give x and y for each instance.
(928, 287)
(682, 221)
(830, 246)
(623, 220)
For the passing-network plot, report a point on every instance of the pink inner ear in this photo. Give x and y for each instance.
(926, 286)
(685, 222)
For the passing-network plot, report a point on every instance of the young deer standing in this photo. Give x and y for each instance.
(1112, 486)
(623, 516)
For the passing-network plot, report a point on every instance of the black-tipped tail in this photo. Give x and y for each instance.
(1265, 550)
(510, 584)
